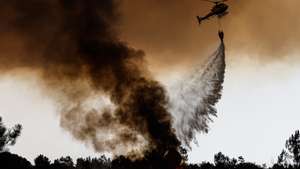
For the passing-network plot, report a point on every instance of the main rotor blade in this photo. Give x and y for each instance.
(211, 1)
(216, 1)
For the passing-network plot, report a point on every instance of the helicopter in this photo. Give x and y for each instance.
(219, 10)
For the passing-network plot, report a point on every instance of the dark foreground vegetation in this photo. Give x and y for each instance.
(289, 158)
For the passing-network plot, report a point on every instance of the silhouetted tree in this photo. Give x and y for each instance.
(247, 165)
(8, 136)
(63, 163)
(42, 162)
(222, 161)
(193, 166)
(13, 161)
(122, 162)
(241, 159)
(206, 165)
(283, 159)
(93, 163)
(293, 146)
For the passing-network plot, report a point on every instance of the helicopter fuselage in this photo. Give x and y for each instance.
(218, 10)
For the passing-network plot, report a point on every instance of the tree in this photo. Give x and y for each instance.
(13, 161)
(222, 161)
(241, 159)
(64, 163)
(8, 137)
(93, 163)
(42, 162)
(293, 147)
(206, 165)
(283, 159)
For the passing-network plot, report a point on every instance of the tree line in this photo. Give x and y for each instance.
(289, 158)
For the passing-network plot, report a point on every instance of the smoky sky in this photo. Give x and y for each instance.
(74, 47)
(85, 49)
(168, 30)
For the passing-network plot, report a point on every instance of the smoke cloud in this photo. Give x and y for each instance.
(106, 96)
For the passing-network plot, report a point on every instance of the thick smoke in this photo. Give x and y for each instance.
(75, 49)
(195, 101)
(104, 93)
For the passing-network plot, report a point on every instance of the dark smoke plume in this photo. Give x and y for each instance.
(105, 94)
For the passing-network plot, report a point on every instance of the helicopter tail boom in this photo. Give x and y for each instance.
(200, 19)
